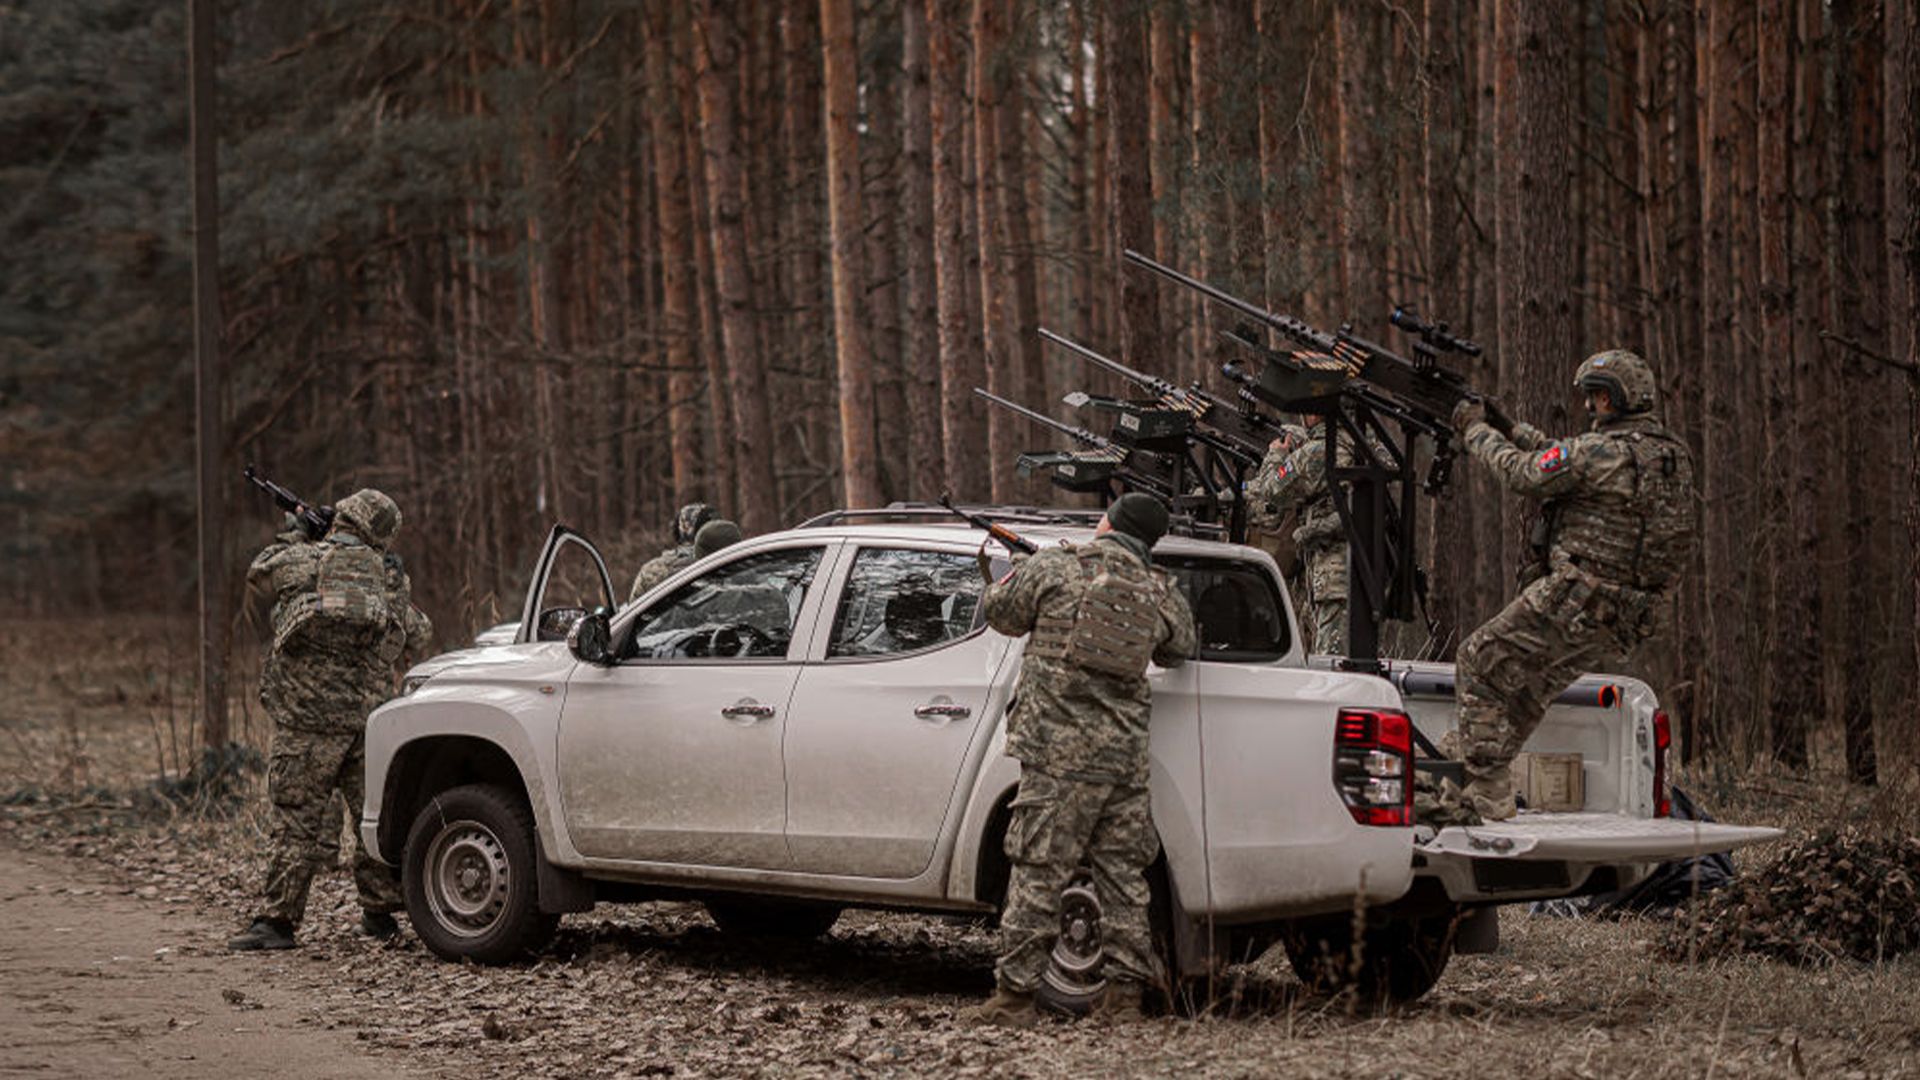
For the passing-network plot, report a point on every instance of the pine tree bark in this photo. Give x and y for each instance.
(716, 64)
(1124, 77)
(1005, 431)
(1860, 287)
(674, 214)
(1902, 79)
(1789, 710)
(880, 156)
(860, 485)
(922, 315)
(963, 428)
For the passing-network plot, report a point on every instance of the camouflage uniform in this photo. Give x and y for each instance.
(1621, 502)
(1296, 479)
(318, 691)
(1081, 737)
(686, 525)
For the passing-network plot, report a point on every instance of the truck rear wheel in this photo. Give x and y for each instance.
(797, 920)
(1400, 958)
(470, 876)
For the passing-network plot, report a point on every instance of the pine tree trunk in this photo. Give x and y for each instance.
(880, 155)
(1789, 707)
(963, 428)
(1006, 433)
(681, 324)
(859, 469)
(1902, 78)
(1165, 159)
(1860, 286)
(922, 357)
(1124, 76)
(716, 63)
(1206, 201)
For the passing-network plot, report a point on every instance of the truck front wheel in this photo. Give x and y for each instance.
(1399, 958)
(471, 879)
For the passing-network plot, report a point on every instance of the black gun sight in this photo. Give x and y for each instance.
(1435, 334)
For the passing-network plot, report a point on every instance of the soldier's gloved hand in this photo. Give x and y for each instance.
(1469, 412)
(1497, 416)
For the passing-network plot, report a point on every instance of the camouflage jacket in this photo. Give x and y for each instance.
(1297, 480)
(1620, 498)
(332, 689)
(660, 568)
(1066, 720)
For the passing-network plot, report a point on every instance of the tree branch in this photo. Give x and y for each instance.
(1906, 367)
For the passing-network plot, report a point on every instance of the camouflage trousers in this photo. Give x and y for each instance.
(304, 771)
(1058, 826)
(1327, 595)
(1511, 668)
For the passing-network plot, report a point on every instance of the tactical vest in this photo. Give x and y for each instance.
(1116, 622)
(343, 606)
(1635, 525)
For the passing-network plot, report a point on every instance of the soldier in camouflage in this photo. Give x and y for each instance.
(686, 526)
(1097, 613)
(1620, 519)
(343, 616)
(1293, 477)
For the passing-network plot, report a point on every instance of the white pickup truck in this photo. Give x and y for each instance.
(813, 720)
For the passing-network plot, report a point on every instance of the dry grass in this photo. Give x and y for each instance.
(655, 990)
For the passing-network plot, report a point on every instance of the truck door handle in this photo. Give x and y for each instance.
(750, 712)
(942, 712)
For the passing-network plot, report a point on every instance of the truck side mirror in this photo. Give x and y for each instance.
(591, 639)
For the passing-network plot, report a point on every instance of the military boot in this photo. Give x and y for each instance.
(263, 934)
(1123, 1003)
(1006, 1008)
(380, 925)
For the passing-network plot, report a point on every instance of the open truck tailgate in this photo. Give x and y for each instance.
(1540, 855)
(1594, 838)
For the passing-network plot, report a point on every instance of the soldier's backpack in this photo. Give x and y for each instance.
(346, 606)
(1116, 623)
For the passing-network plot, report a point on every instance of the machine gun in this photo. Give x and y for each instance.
(1358, 386)
(1104, 464)
(1240, 430)
(314, 521)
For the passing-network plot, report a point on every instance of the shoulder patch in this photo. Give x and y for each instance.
(1283, 471)
(1552, 459)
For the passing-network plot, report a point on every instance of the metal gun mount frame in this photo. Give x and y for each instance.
(1357, 386)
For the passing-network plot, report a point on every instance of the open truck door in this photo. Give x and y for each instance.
(568, 550)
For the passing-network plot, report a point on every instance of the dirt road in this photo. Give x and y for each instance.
(103, 981)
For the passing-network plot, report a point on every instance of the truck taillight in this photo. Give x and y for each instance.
(1662, 739)
(1373, 765)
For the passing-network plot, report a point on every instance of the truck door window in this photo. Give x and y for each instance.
(1236, 608)
(898, 600)
(746, 608)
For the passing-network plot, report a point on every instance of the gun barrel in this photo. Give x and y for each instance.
(1151, 382)
(1285, 324)
(1080, 434)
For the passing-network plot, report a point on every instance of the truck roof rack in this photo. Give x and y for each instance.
(1075, 517)
(911, 512)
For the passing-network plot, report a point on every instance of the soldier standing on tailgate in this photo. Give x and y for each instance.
(1619, 525)
(1097, 613)
(686, 526)
(343, 616)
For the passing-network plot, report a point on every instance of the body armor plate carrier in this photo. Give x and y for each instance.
(1116, 624)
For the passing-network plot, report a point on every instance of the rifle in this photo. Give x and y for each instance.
(1011, 540)
(314, 521)
(1241, 431)
(1124, 469)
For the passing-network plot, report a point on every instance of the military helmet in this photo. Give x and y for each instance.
(369, 515)
(1624, 376)
(686, 524)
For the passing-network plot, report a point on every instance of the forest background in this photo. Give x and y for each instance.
(518, 261)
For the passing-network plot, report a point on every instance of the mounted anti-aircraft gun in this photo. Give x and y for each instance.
(1095, 470)
(1358, 386)
(1213, 443)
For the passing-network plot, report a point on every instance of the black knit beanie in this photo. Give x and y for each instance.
(1140, 516)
